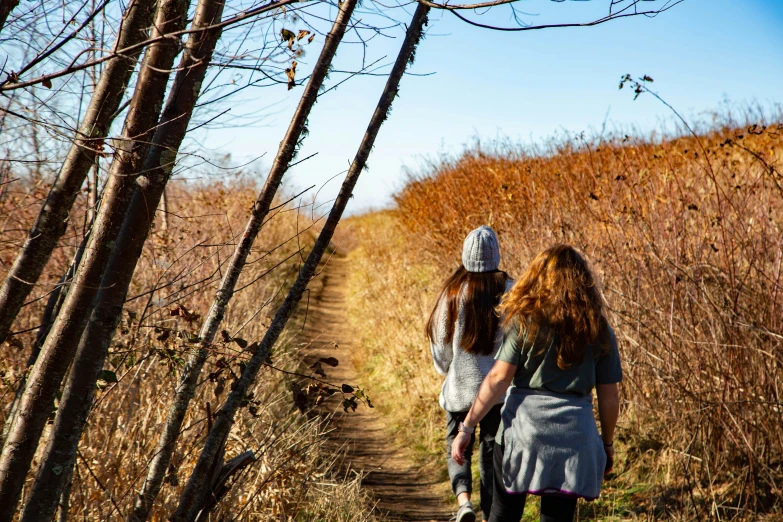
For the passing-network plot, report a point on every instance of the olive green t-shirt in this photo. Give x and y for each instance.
(537, 369)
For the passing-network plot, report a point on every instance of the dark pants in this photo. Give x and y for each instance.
(461, 476)
(508, 507)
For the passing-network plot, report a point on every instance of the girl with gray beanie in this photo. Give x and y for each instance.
(464, 338)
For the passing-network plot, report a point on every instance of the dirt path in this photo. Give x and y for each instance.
(391, 476)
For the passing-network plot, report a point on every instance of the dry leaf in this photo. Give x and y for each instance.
(181, 311)
(98, 147)
(16, 343)
(291, 74)
(288, 36)
(331, 361)
(318, 369)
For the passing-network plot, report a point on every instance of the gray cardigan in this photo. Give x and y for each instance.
(463, 371)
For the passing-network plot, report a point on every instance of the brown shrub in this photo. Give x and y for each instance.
(687, 238)
(181, 267)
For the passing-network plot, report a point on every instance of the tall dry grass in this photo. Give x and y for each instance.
(687, 237)
(293, 478)
(390, 291)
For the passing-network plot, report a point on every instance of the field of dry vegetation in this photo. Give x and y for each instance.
(686, 235)
(174, 283)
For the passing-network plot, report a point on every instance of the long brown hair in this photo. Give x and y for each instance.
(479, 293)
(558, 296)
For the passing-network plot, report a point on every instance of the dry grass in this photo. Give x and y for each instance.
(389, 293)
(293, 477)
(687, 237)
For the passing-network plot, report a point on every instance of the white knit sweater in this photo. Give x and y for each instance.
(463, 371)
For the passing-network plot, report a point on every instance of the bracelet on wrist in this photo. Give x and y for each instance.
(465, 429)
(608, 445)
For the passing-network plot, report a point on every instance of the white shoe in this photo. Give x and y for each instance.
(465, 513)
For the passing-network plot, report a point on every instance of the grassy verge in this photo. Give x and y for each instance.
(389, 293)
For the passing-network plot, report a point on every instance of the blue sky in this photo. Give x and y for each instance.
(525, 86)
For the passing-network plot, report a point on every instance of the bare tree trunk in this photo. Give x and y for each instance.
(196, 491)
(92, 194)
(61, 344)
(164, 215)
(64, 502)
(52, 310)
(6, 6)
(60, 452)
(92, 178)
(52, 218)
(53, 305)
(187, 385)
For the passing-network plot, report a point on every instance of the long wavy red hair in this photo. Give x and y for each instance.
(558, 296)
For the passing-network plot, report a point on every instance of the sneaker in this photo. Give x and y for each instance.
(465, 513)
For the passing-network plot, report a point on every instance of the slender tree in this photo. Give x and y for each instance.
(187, 385)
(53, 305)
(58, 350)
(60, 452)
(197, 490)
(52, 218)
(6, 6)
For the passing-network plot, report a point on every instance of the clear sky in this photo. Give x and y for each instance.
(525, 86)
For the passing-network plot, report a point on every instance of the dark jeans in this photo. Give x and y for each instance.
(508, 507)
(461, 477)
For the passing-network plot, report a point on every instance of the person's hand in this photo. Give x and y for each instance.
(459, 446)
(609, 459)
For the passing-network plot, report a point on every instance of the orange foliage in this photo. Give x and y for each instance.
(687, 238)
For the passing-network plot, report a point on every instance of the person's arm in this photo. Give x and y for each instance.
(608, 411)
(442, 352)
(492, 389)
(442, 355)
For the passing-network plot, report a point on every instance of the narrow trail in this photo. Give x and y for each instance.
(391, 476)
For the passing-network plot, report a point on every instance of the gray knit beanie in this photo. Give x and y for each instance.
(481, 252)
